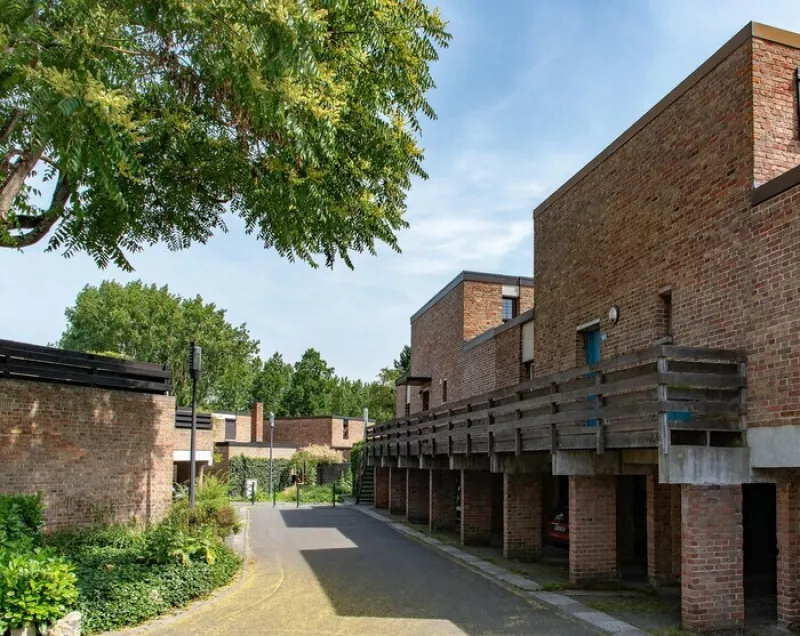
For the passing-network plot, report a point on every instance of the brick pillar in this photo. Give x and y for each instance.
(397, 491)
(788, 510)
(476, 507)
(417, 493)
(522, 517)
(442, 500)
(381, 487)
(659, 532)
(675, 514)
(712, 586)
(257, 422)
(592, 528)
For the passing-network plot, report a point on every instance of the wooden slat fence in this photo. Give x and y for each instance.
(22, 361)
(632, 401)
(183, 419)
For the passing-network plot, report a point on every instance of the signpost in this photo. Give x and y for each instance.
(271, 431)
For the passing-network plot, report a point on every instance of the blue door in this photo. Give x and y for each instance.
(592, 346)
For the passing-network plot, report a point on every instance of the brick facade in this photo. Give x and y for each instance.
(592, 529)
(442, 500)
(522, 516)
(417, 494)
(476, 507)
(381, 487)
(712, 591)
(397, 491)
(96, 455)
(257, 423)
(322, 430)
(788, 526)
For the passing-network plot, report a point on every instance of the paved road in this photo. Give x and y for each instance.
(337, 571)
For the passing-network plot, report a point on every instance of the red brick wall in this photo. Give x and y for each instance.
(397, 491)
(659, 531)
(96, 455)
(712, 591)
(476, 507)
(302, 431)
(381, 487)
(777, 146)
(417, 493)
(592, 528)
(442, 498)
(522, 517)
(667, 208)
(509, 369)
(788, 509)
(355, 432)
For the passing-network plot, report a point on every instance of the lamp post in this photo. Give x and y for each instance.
(271, 431)
(195, 355)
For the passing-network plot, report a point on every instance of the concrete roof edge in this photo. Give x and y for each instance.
(750, 30)
(776, 186)
(475, 277)
(525, 316)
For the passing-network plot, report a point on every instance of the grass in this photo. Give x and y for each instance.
(633, 605)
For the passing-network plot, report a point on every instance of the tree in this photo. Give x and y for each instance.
(149, 121)
(403, 365)
(271, 382)
(311, 387)
(150, 324)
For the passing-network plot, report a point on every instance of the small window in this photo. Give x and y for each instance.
(408, 409)
(345, 429)
(666, 310)
(426, 400)
(529, 370)
(444, 390)
(230, 429)
(509, 308)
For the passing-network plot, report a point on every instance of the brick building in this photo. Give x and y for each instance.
(667, 357)
(473, 336)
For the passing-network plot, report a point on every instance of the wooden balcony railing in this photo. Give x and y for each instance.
(645, 399)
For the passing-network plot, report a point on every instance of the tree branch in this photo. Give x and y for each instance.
(11, 187)
(9, 125)
(40, 225)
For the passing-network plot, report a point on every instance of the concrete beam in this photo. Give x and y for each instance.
(473, 462)
(408, 461)
(521, 464)
(434, 463)
(705, 466)
(388, 462)
(588, 463)
(774, 446)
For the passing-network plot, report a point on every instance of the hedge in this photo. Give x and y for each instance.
(242, 468)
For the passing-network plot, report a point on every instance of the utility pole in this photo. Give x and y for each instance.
(271, 431)
(195, 354)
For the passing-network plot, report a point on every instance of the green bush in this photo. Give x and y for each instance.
(20, 520)
(243, 468)
(355, 456)
(311, 494)
(36, 587)
(212, 508)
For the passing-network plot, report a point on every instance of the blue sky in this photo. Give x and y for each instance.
(528, 92)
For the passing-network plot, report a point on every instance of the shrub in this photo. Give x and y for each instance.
(20, 520)
(213, 508)
(167, 543)
(241, 468)
(318, 454)
(35, 587)
(355, 457)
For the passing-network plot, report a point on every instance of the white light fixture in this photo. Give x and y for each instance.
(613, 314)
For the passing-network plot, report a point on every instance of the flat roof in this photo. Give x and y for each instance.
(751, 30)
(476, 277)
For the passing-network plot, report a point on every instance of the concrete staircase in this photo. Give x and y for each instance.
(366, 491)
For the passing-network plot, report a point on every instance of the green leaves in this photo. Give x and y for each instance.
(301, 117)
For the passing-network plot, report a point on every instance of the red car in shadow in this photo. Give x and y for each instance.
(558, 526)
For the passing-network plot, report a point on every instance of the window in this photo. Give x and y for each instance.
(510, 308)
(666, 310)
(444, 390)
(345, 429)
(230, 428)
(408, 409)
(426, 399)
(528, 370)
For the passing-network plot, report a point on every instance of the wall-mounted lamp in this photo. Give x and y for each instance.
(613, 314)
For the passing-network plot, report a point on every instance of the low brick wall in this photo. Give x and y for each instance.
(95, 454)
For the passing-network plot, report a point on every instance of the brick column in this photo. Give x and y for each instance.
(442, 500)
(592, 528)
(788, 510)
(659, 532)
(675, 496)
(257, 422)
(522, 517)
(381, 487)
(397, 491)
(476, 507)
(712, 586)
(417, 493)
